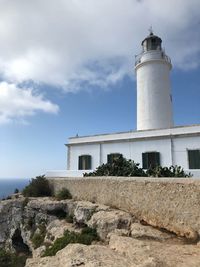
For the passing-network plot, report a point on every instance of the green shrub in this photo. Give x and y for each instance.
(172, 171)
(119, 167)
(128, 168)
(38, 237)
(38, 187)
(16, 191)
(88, 235)
(63, 194)
(37, 240)
(8, 259)
(85, 237)
(30, 224)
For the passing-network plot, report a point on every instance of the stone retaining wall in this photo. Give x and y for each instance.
(172, 204)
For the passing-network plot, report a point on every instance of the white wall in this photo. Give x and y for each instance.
(181, 145)
(171, 152)
(85, 149)
(134, 149)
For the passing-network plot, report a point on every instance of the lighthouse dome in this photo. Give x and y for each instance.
(151, 42)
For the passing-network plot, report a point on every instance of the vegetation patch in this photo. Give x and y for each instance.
(172, 171)
(63, 194)
(85, 237)
(8, 259)
(123, 167)
(16, 191)
(39, 235)
(119, 167)
(38, 187)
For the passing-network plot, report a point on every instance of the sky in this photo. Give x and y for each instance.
(67, 68)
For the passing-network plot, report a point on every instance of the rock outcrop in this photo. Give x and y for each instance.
(81, 255)
(125, 241)
(107, 221)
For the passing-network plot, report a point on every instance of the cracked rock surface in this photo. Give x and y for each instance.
(124, 240)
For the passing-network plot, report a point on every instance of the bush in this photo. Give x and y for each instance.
(85, 237)
(38, 187)
(128, 168)
(38, 237)
(16, 191)
(63, 194)
(8, 259)
(119, 167)
(172, 171)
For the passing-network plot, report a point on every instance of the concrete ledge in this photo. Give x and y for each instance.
(173, 204)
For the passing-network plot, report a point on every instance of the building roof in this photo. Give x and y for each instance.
(189, 130)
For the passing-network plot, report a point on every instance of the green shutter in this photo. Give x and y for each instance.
(145, 161)
(88, 162)
(109, 158)
(80, 162)
(157, 158)
(194, 159)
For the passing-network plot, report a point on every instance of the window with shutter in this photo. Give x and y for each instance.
(194, 159)
(85, 162)
(150, 160)
(113, 156)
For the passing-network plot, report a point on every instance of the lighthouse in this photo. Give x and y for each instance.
(154, 100)
(156, 142)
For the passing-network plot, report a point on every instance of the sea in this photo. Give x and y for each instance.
(8, 185)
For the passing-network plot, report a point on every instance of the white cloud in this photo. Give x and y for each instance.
(16, 104)
(68, 43)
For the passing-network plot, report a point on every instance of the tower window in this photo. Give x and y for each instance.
(85, 162)
(194, 159)
(113, 156)
(150, 160)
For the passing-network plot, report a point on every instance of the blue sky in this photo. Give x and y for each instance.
(60, 77)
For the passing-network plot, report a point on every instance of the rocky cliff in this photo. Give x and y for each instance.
(32, 225)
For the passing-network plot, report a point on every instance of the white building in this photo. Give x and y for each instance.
(156, 141)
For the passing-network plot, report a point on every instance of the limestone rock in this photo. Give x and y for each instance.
(102, 208)
(187, 232)
(151, 253)
(148, 232)
(120, 232)
(57, 228)
(107, 221)
(38, 252)
(137, 250)
(84, 211)
(81, 255)
(46, 204)
(10, 219)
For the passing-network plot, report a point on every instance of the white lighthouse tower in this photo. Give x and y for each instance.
(154, 101)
